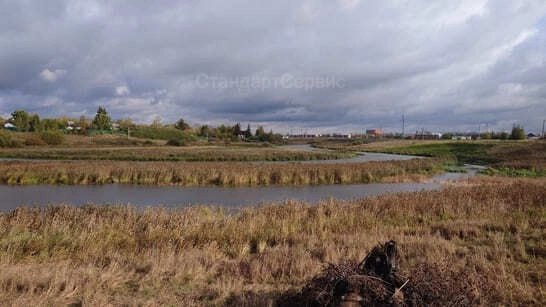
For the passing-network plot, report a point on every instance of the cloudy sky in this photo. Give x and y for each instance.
(319, 65)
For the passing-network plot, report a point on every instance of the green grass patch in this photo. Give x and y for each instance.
(161, 134)
(462, 152)
(508, 172)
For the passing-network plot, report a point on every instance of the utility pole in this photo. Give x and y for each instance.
(403, 125)
(543, 121)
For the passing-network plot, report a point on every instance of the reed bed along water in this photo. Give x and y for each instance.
(211, 173)
(491, 232)
(166, 153)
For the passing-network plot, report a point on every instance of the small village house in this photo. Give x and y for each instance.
(10, 126)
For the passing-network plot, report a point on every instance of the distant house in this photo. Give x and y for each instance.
(374, 132)
(427, 135)
(10, 126)
(461, 137)
(532, 136)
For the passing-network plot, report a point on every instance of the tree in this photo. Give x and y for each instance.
(204, 130)
(34, 123)
(20, 119)
(181, 125)
(260, 132)
(248, 132)
(125, 124)
(517, 133)
(237, 129)
(83, 124)
(102, 120)
(503, 136)
(48, 124)
(447, 136)
(486, 136)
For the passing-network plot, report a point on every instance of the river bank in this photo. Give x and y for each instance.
(488, 230)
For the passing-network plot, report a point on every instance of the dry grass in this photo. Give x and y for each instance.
(521, 155)
(213, 173)
(165, 153)
(491, 232)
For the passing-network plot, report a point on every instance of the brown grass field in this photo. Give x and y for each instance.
(213, 173)
(169, 153)
(488, 232)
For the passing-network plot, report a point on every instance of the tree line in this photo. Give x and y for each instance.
(102, 122)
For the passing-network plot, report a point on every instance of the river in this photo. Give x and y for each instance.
(139, 195)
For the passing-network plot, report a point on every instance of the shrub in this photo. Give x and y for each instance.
(177, 142)
(52, 137)
(6, 140)
(447, 136)
(34, 140)
(517, 133)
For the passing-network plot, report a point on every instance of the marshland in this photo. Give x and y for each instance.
(273, 153)
(476, 238)
(488, 231)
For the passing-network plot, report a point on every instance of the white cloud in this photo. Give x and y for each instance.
(122, 91)
(348, 4)
(428, 59)
(52, 76)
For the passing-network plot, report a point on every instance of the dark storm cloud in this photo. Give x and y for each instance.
(445, 64)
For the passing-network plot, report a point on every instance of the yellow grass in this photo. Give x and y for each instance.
(213, 173)
(491, 231)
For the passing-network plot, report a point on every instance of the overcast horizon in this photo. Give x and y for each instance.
(319, 66)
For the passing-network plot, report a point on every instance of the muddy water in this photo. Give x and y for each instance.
(14, 196)
(361, 156)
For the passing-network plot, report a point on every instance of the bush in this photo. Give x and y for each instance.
(517, 133)
(447, 136)
(52, 137)
(6, 140)
(504, 136)
(34, 140)
(177, 142)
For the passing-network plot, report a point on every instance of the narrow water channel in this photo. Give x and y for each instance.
(13, 196)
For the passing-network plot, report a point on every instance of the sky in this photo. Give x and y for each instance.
(311, 65)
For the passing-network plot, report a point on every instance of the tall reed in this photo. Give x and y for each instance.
(220, 174)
